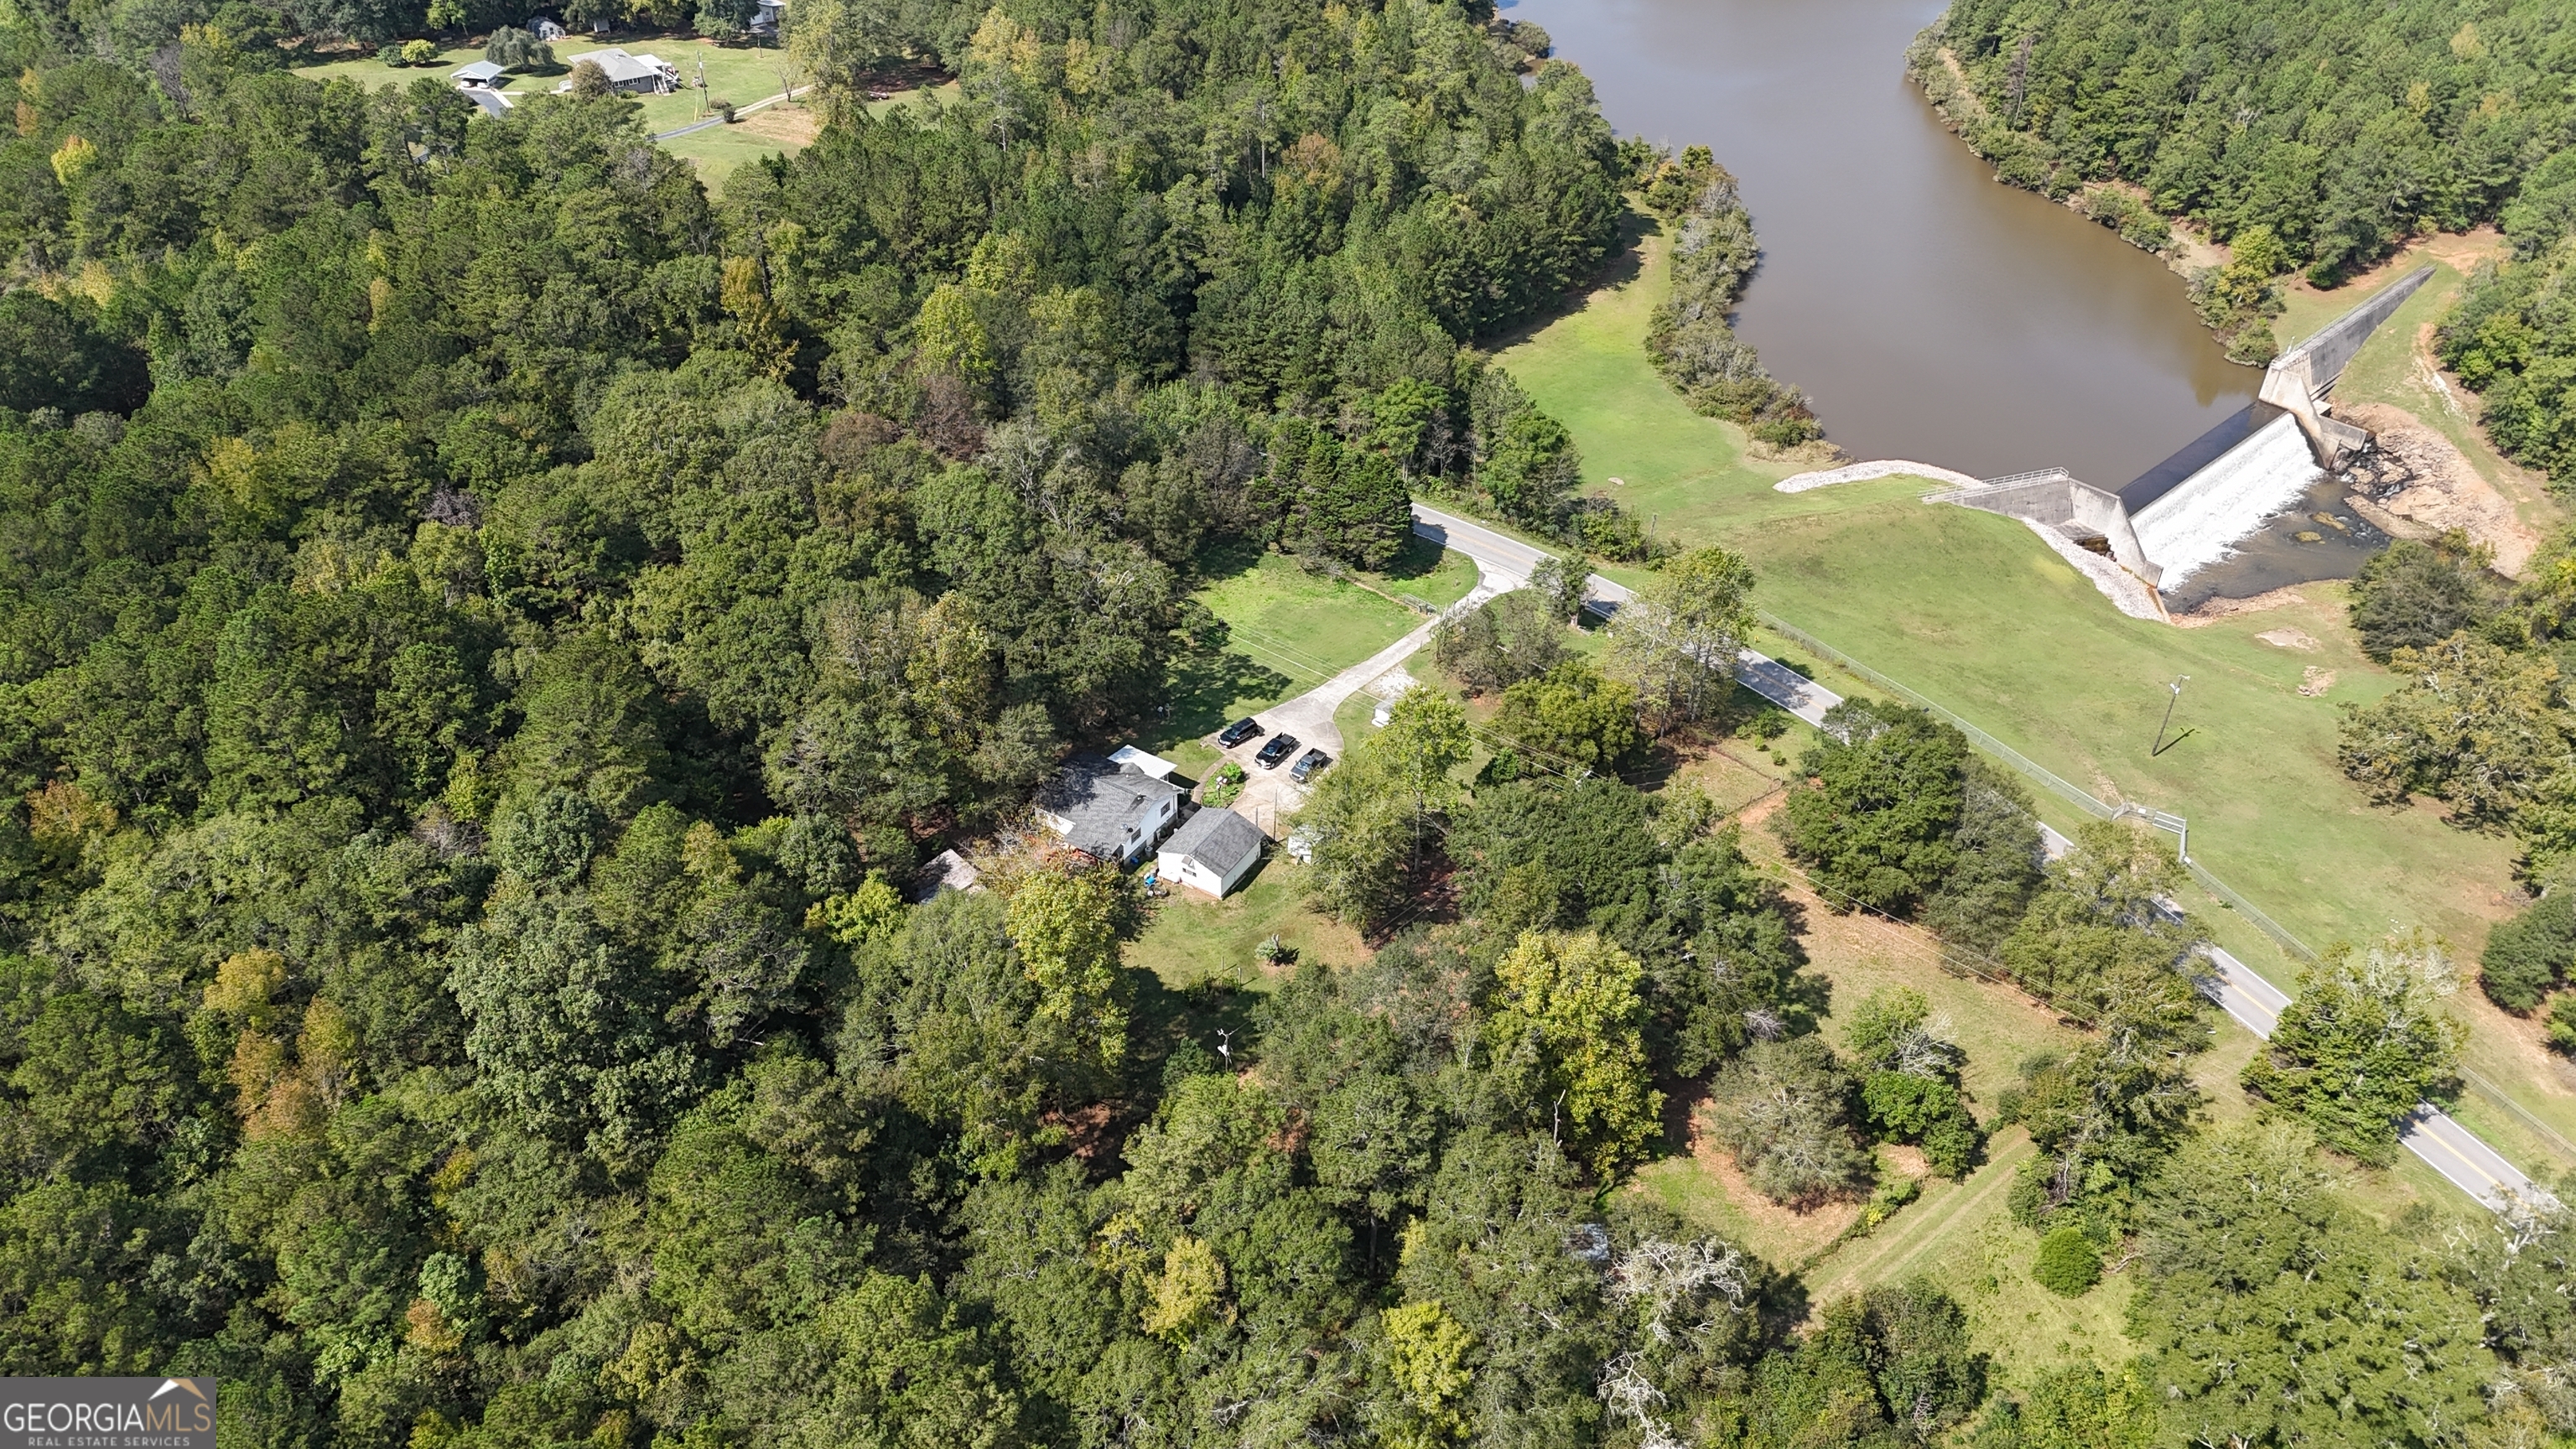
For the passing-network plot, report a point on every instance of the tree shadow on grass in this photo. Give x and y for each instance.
(1206, 678)
(1418, 559)
(1624, 263)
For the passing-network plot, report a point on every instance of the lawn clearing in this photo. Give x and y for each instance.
(1286, 631)
(743, 74)
(1192, 939)
(1424, 572)
(374, 75)
(1975, 612)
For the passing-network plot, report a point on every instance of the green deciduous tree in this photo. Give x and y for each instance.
(2363, 1043)
(2414, 595)
(1784, 1111)
(2243, 1237)
(2098, 940)
(1572, 719)
(2473, 725)
(1065, 924)
(1567, 1031)
(1874, 824)
(1501, 642)
(1679, 636)
(2076, 1406)
(2530, 954)
(1910, 1078)
(1371, 818)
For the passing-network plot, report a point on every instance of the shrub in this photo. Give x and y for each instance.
(2562, 1023)
(1224, 787)
(2529, 954)
(2068, 1263)
(419, 52)
(390, 54)
(2414, 595)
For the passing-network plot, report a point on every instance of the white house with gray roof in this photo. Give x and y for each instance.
(1212, 851)
(1114, 812)
(637, 74)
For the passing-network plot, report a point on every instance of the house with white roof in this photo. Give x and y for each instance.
(634, 74)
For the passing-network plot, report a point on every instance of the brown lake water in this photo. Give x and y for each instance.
(1931, 312)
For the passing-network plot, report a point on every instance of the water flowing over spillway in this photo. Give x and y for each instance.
(2200, 521)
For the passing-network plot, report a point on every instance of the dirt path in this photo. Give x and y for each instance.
(1888, 1254)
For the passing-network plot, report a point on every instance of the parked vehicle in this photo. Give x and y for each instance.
(1237, 732)
(1309, 765)
(1279, 748)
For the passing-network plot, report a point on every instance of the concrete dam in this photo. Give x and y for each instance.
(2192, 510)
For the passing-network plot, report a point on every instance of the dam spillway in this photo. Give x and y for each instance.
(2199, 520)
(2196, 508)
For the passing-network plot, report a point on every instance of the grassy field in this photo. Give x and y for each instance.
(1288, 630)
(1973, 611)
(744, 75)
(1192, 939)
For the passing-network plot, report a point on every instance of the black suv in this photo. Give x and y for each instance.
(1309, 765)
(1237, 732)
(1279, 748)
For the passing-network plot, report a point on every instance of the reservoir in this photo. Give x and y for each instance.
(1931, 312)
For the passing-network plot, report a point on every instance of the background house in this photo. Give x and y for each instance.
(1212, 851)
(1112, 811)
(635, 74)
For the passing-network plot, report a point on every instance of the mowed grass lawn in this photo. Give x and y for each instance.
(742, 74)
(1976, 613)
(1191, 939)
(1287, 630)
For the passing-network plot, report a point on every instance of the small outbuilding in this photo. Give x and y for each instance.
(947, 871)
(1212, 851)
(480, 73)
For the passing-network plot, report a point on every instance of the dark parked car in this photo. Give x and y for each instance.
(1279, 748)
(1309, 765)
(1237, 732)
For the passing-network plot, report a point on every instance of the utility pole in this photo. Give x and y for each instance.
(2175, 697)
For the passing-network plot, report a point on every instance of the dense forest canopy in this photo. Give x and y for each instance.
(2342, 127)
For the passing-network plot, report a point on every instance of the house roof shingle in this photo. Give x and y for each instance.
(1108, 808)
(1218, 839)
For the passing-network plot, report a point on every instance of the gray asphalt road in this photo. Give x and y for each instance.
(1761, 674)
